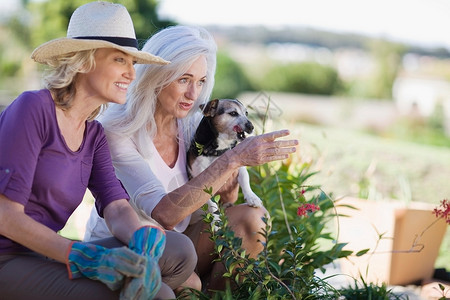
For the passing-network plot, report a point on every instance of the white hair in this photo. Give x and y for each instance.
(181, 45)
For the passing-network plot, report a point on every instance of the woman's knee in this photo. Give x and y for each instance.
(178, 260)
(193, 282)
(244, 216)
(180, 247)
(165, 292)
(248, 223)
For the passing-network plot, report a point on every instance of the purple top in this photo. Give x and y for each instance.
(38, 170)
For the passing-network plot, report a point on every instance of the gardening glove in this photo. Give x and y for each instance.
(143, 288)
(148, 241)
(109, 266)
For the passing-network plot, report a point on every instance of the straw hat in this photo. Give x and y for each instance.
(97, 25)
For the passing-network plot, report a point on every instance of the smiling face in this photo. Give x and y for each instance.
(109, 81)
(178, 98)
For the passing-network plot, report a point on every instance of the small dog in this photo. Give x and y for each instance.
(223, 126)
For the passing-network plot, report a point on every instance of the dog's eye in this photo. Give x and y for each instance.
(233, 114)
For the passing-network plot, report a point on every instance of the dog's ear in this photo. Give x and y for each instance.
(209, 110)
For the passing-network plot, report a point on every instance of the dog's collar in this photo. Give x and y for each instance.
(206, 151)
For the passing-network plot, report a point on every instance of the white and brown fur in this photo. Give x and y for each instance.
(224, 124)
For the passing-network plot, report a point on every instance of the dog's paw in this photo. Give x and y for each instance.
(253, 200)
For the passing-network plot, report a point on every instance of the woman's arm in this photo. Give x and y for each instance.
(253, 151)
(169, 209)
(121, 219)
(142, 185)
(17, 226)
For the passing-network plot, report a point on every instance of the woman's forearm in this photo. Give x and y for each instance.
(17, 226)
(121, 219)
(185, 200)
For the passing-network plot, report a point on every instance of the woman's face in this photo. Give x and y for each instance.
(178, 98)
(113, 73)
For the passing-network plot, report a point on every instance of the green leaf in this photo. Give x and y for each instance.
(199, 148)
(208, 190)
(362, 252)
(276, 266)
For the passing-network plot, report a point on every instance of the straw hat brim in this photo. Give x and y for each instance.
(50, 50)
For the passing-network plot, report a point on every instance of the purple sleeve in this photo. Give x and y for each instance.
(103, 183)
(20, 143)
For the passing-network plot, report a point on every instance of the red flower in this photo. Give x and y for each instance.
(443, 211)
(301, 196)
(306, 208)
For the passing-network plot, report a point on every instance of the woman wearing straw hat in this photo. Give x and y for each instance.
(51, 150)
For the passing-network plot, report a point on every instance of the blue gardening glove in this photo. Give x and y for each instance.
(109, 266)
(143, 288)
(148, 241)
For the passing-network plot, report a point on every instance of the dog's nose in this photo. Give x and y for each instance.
(249, 127)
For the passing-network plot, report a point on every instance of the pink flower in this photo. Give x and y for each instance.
(306, 208)
(443, 211)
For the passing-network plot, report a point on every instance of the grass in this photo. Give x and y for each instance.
(354, 163)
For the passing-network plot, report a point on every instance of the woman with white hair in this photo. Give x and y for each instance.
(150, 134)
(52, 149)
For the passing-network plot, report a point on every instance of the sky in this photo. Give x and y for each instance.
(420, 22)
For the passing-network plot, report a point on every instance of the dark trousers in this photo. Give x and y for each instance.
(34, 277)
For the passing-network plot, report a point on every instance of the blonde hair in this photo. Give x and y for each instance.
(181, 45)
(61, 79)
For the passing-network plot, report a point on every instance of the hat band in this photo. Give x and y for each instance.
(121, 41)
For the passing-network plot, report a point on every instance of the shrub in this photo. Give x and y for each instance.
(230, 79)
(298, 242)
(362, 291)
(307, 78)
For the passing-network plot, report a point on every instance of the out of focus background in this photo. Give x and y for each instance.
(364, 85)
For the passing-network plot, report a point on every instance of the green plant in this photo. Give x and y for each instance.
(305, 77)
(297, 243)
(361, 290)
(230, 79)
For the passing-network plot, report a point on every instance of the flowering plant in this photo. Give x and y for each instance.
(306, 208)
(297, 242)
(443, 211)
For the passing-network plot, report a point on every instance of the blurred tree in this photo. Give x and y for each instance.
(145, 17)
(230, 80)
(18, 25)
(307, 77)
(14, 52)
(52, 17)
(44, 20)
(388, 59)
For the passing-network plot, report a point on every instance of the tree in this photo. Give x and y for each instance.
(51, 18)
(230, 79)
(388, 58)
(305, 77)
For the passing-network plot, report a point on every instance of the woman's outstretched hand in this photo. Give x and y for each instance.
(264, 148)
